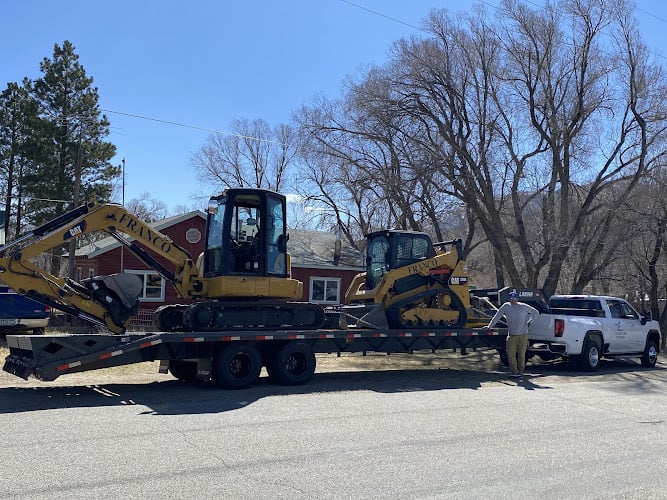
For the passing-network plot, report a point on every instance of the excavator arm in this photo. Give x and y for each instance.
(108, 300)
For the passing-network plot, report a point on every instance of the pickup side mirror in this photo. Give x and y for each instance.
(643, 320)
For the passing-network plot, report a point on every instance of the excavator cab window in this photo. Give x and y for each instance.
(245, 236)
(276, 237)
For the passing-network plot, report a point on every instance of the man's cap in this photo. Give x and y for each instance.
(514, 295)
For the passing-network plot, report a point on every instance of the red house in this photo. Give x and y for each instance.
(325, 277)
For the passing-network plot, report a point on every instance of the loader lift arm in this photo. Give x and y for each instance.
(107, 301)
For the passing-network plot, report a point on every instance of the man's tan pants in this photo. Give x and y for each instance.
(516, 353)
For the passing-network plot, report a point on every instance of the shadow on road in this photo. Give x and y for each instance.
(175, 397)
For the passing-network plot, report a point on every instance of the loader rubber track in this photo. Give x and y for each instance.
(426, 300)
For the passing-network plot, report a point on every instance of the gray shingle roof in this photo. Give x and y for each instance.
(316, 248)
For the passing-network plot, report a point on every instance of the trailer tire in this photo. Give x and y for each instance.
(183, 370)
(650, 356)
(292, 364)
(236, 366)
(591, 353)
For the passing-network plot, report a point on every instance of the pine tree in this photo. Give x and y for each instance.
(18, 116)
(73, 165)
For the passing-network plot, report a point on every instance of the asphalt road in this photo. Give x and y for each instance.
(445, 432)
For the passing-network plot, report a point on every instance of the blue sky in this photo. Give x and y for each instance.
(204, 63)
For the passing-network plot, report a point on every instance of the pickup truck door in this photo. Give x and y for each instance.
(626, 331)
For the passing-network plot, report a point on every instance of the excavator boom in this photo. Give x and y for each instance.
(107, 301)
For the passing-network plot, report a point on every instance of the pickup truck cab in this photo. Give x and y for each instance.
(19, 314)
(587, 328)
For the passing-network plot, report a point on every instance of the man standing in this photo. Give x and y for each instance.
(517, 316)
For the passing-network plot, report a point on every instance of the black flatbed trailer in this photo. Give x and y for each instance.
(231, 359)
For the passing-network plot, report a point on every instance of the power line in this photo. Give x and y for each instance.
(195, 127)
(383, 15)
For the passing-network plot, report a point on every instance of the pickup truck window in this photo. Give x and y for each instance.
(619, 309)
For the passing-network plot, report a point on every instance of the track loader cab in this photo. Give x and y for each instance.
(409, 281)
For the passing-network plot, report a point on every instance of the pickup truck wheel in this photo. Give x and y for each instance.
(650, 357)
(590, 354)
(293, 364)
(236, 366)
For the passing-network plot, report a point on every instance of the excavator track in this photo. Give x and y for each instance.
(427, 309)
(225, 315)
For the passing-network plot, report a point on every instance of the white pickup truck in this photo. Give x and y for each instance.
(586, 328)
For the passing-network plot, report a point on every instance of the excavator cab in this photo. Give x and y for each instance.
(246, 235)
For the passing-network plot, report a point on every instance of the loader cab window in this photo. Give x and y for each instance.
(411, 248)
(377, 260)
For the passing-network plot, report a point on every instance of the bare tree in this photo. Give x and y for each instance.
(534, 122)
(147, 208)
(254, 154)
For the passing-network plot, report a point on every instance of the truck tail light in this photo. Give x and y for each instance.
(559, 327)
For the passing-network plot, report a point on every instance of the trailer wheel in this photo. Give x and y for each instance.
(292, 364)
(590, 354)
(236, 366)
(650, 357)
(183, 370)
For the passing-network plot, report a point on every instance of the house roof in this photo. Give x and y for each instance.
(316, 249)
(307, 248)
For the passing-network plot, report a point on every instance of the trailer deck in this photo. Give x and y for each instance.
(46, 357)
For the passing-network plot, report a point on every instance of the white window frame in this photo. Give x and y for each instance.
(142, 273)
(327, 280)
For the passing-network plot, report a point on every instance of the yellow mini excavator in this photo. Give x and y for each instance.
(241, 280)
(411, 282)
